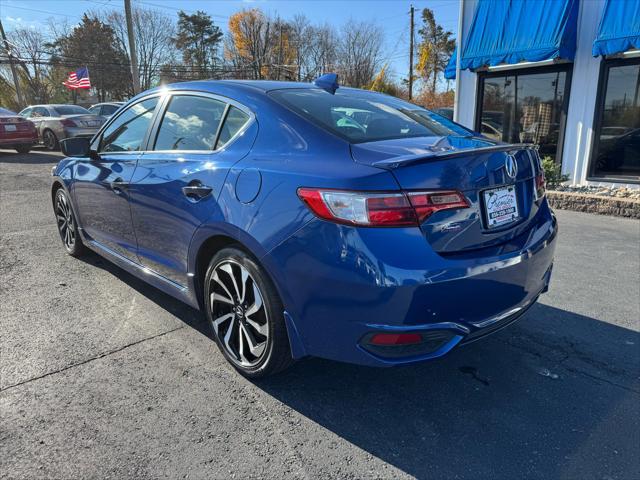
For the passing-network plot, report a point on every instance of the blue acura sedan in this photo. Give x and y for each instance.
(312, 219)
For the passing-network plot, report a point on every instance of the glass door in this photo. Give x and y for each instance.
(525, 106)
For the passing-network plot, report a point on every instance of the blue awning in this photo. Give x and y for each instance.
(619, 28)
(450, 70)
(514, 31)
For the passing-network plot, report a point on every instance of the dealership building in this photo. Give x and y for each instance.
(564, 74)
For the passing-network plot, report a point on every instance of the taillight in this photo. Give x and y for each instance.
(427, 203)
(373, 209)
(68, 123)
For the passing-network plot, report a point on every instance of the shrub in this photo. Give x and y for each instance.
(553, 173)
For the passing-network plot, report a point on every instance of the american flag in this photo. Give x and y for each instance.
(78, 79)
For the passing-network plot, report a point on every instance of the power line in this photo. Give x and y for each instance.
(179, 9)
(42, 11)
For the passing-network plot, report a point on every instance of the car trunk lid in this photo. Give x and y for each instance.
(15, 123)
(85, 120)
(477, 167)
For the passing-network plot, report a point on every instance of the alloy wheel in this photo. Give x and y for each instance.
(66, 225)
(50, 140)
(238, 313)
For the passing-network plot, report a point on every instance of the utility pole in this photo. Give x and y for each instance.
(411, 53)
(281, 56)
(132, 48)
(16, 82)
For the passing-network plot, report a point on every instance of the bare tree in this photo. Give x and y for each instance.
(153, 31)
(359, 52)
(323, 52)
(30, 46)
(301, 38)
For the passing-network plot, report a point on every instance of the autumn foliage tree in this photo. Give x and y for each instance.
(250, 42)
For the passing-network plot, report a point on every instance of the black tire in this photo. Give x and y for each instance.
(67, 224)
(241, 332)
(23, 148)
(50, 140)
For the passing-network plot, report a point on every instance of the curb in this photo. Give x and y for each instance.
(602, 205)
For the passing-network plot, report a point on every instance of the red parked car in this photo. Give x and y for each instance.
(16, 131)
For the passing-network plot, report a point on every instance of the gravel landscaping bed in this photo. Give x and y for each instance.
(620, 202)
(617, 192)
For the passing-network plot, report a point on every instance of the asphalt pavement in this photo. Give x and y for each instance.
(102, 376)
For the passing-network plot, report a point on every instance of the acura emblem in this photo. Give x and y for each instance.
(511, 166)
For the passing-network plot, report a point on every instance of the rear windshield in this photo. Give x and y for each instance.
(70, 110)
(361, 116)
(4, 111)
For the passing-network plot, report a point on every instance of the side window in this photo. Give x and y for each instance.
(127, 132)
(236, 119)
(109, 109)
(190, 123)
(39, 112)
(95, 110)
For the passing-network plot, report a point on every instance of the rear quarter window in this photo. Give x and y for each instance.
(70, 110)
(109, 109)
(233, 123)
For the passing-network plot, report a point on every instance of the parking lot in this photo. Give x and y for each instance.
(103, 376)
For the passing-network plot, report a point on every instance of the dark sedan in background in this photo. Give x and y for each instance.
(16, 132)
(56, 122)
(106, 109)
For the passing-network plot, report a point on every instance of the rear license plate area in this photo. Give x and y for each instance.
(500, 206)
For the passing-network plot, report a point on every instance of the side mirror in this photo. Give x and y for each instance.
(75, 147)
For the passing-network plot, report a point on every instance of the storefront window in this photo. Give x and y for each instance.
(616, 151)
(525, 107)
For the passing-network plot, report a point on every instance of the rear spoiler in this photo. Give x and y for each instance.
(405, 160)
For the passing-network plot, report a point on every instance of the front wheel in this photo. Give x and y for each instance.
(67, 224)
(246, 314)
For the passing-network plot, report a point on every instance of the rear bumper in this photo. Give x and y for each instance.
(79, 132)
(342, 284)
(20, 139)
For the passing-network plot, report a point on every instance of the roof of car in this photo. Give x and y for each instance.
(265, 85)
(54, 105)
(240, 90)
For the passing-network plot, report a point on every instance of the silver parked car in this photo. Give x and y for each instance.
(56, 122)
(106, 109)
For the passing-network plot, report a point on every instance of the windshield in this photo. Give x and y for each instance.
(361, 116)
(70, 110)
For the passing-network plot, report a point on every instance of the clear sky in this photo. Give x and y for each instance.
(392, 15)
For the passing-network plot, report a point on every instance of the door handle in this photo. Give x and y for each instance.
(118, 185)
(196, 190)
